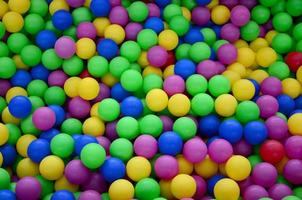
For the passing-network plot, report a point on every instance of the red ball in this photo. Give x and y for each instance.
(294, 60)
(171, 59)
(272, 151)
(85, 74)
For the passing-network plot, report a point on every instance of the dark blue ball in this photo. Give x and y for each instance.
(7, 195)
(162, 3)
(49, 134)
(100, 8)
(231, 130)
(213, 54)
(295, 111)
(170, 143)
(154, 23)
(298, 102)
(255, 132)
(81, 141)
(21, 78)
(107, 48)
(38, 149)
(184, 68)
(46, 39)
(209, 125)
(62, 20)
(212, 182)
(257, 87)
(62, 195)
(286, 104)
(9, 154)
(119, 93)
(40, 72)
(210, 140)
(193, 35)
(60, 114)
(203, 2)
(217, 30)
(132, 106)
(113, 169)
(20, 106)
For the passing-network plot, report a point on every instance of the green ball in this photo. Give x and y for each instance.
(71, 126)
(8, 67)
(4, 51)
(170, 11)
(177, 2)
(71, 32)
(299, 46)
(146, 110)
(202, 104)
(3, 104)
(160, 198)
(105, 196)
(151, 124)
(54, 96)
(182, 51)
(136, 67)
(121, 148)
(93, 155)
(51, 60)
(73, 66)
(27, 126)
(247, 111)
(97, 66)
(127, 127)
(33, 24)
(298, 192)
(294, 7)
(62, 145)
(209, 36)
(278, 7)
(147, 189)
(268, 3)
(196, 84)
(200, 51)
(190, 4)
(291, 197)
(126, 3)
(218, 44)
(118, 65)
(14, 133)
(36, 102)
(279, 69)
(281, 115)
(282, 22)
(297, 31)
(39, 7)
(37, 88)
(48, 197)
(31, 55)
(283, 180)
(132, 80)
(5, 179)
(138, 11)
(282, 43)
(219, 85)
(260, 14)
(147, 38)
(179, 24)
(254, 160)
(2, 30)
(152, 81)
(250, 31)
(81, 14)
(185, 127)
(130, 50)
(47, 186)
(109, 109)
(265, 198)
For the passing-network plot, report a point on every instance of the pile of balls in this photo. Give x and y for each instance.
(150, 100)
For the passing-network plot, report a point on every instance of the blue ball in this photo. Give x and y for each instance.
(62, 20)
(7, 195)
(286, 104)
(82, 141)
(62, 195)
(107, 48)
(217, 30)
(9, 154)
(113, 169)
(132, 106)
(212, 182)
(60, 114)
(100, 8)
(20, 106)
(209, 125)
(193, 35)
(184, 68)
(154, 23)
(231, 130)
(257, 87)
(210, 140)
(295, 111)
(162, 3)
(40, 72)
(49, 134)
(46, 39)
(213, 54)
(170, 143)
(255, 132)
(21, 78)
(298, 102)
(203, 2)
(38, 149)
(119, 93)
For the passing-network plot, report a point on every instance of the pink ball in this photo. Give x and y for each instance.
(292, 171)
(28, 188)
(220, 150)
(57, 78)
(157, 56)
(76, 172)
(86, 30)
(115, 2)
(154, 10)
(174, 84)
(104, 142)
(240, 15)
(65, 47)
(75, 3)
(255, 192)
(230, 32)
(167, 122)
(132, 29)
(195, 150)
(146, 146)
(279, 191)
(90, 195)
(220, 67)
(207, 68)
(264, 174)
(277, 127)
(293, 147)
(201, 187)
(201, 16)
(227, 54)
(271, 86)
(119, 15)
(79, 108)
(268, 105)
(44, 118)
(166, 167)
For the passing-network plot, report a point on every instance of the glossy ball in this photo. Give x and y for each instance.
(20, 106)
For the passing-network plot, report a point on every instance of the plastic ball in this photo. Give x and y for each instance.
(121, 148)
(226, 188)
(291, 172)
(131, 80)
(166, 167)
(240, 15)
(94, 151)
(127, 127)
(13, 21)
(8, 69)
(121, 189)
(268, 106)
(266, 56)
(157, 100)
(221, 102)
(147, 188)
(145, 146)
(88, 83)
(282, 43)
(200, 51)
(62, 145)
(63, 194)
(224, 85)
(38, 149)
(28, 188)
(76, 172)
(131, 106)
(138, 168)
(220, 14)
(51, 167)
(255, 192)
(44, 118)
(168, 39)
(157, 56)
(231, 130)
(220, 150)
(282, 22)
(184, 68)
(195, 145)
(85, 48)
(20, 106)
(115, 32)
(109, 109)
(113, 169)
(170, 143)
(292, 147)
(293, 124)
(65, 47)
(246, 56)
(243, 90)
(100, 8)
(179, 105)
(264, 174)
(183, 186)
(238, 168)
(7, 194)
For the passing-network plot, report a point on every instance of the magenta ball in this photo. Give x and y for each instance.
(229, 3)
(207, 68)
(65, 47)
(110, 131)
(262, 32)
(243, 148)
(220, 67)
(277, 127)
(79, 108)
(145, 146)
(75, 3)
(154, 10)
(166, 167)
(264, 174)
(90, 195)
(115, 2)
(271, 86)
(201, 15)
(119, 15)
(227, 54)
(268, 105)
(57, 78)
(248, 3)
(220, 150)
(44, 118)
(240, 15)
(293, 147)
(195, 150)
(86, 30)
(174, 84)
(279, 191)
(95, 182)
(157, 56)
(201, 187)
(28, 188)
(132, 29)
(167, 122)
(245, 184)
(230, 32)
(104, 142)
(76, 172)
(292, 171)
(255, 192)
(4, 87)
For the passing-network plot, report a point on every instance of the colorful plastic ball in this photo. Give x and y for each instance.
(170, 143)
(90, 194)
(9, 154)
(225, 105)
(196, 84)
(46, 39)
(131, 106)
(7, 194)
(255, 132)
(240, 15)
(200, 51)
(8, 69)
(199, 100)
(21, 78)
(195, 145)
(226, 188)
(62, 194)
(282, 22)
(100, 8)
(209, 125)
(271, 86)
(62, 145)
(227, 54)
(255, 192)
(113, 169)
(220, 150)
(109, 109)
(166, 167)
(62, 19)
(20, 106)
(220, 14)
(293, 124)
(28, 188)
(231, 130)
(268, 106)
(277, 127)
(157, 56)
(291, 171)
(247, 111)
(279, 191)
(65, 47)
(155, 24)
(6, 179)
(130, 50)
(183, 186)
(138, 168)
(291, 87)
(127, 127)
(168, 39)
(107, 48)
(279, 70)
(92, 92)
(238, 168)
(282, 43)
(222, 82)
(294, 60)
(212, 182)
(121, 148)
(94, 151)
(39, 72)
(293, 148)
(85, 48)
(184, 68)
(145, 146)
(131, 80)
(44, 118)
(185, 127)
(179, 105)
(121, 189)
(147, 188)
(243, 90)
(250, 31)
(76, 172)
(51, 167)
(272, 151)
(38, 149)
(13, 21)
(264, 174)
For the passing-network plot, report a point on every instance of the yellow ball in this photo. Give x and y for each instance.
(121, 189)
(231, 75)
(23, 143)
(206, 168)
(88, 88)
(168, 39)
(101, 24)
(185, 167)
(3, 8)
(266, 56)
(109, 80)
(186, 13)
(270, 36)
(157, 100)
(221, 168)
(241, 43)
(63, 184)
(94, 110)
(179, 105)
(56, 5)
(19, 62)
(169, 71)
(226, 189)
(291, 87)
(93, 126)
(71, 86)
(1, 159)
(115, 32)
(87, 3)
(19, 6)
(13, 21)
(8, 118)
(4, 134)
(243, 90)
(183, 186)
(165, 189)
(258, 44)
(259, 75)
(15, 91)
(213, 3)
(52, 167)
(26, 167)
(280, 165)
(299, 74)
(138, 168)
(246, 56)
(225, 105)
(294, 124)
(220, 14)
(239, 68)
(238, 168)
(142, 60)
(85, 48)
(152, 70)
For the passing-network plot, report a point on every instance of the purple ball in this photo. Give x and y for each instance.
(95, 182)
(132, 29)
(220, 67)
(44, 118)
(268, 105)
(201, 16)
(207, 68)
(220, 150)
(248, 3)
(75, 3)
(166, 167)
(268, 25)
(245, 184)
(271, 86)
(174, 84)
(262, 32)
(264, 174)
(90, 195)
(195, 150)
(28, 188)
(119, 15)
(65, 47)
(57, 78)
(279, 191)
(4, 87)
(167, 122)
(227, 54)
(157, 56)
(230, 32)
(110, 131)
(277, 127)
(240, 15)
(76, 172)
(154, 10)
(293, 147)
(201, 187)
(105, 93)
(254, 192)
(86, 30)
(79, 108)
(145, 146)
(115, 2)
(229, 3)
(104, 142)
(243, 148)
(292, 171)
